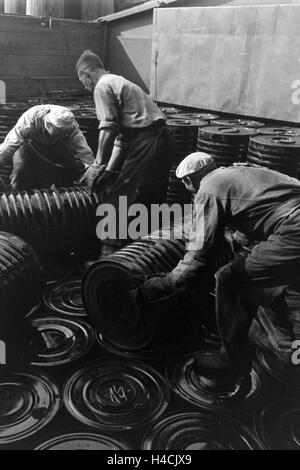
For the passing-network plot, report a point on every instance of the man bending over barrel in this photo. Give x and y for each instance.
(47, 148)
(263, 204)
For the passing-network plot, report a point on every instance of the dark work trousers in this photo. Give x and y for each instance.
(145, 173)
(144, 176)
(31, 171)
(264, 277)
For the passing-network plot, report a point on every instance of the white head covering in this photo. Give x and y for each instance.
(194, 163)
(61, 118)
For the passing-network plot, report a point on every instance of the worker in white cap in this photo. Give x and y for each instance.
(265, 205)
(47, 147)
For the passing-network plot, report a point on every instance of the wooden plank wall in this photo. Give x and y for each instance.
(36, 60)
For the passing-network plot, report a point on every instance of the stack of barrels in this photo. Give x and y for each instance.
(53, 221)
(276, 148)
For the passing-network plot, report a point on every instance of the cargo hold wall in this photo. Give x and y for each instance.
(39, 57)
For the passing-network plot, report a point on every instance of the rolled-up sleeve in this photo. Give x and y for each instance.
(203, 247)
(107, 108)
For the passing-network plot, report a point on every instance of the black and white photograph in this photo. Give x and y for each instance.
(149, 228)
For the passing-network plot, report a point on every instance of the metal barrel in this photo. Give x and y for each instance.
(21, 287)
(83, 441)
(194, 115)
(169, 110)
(65, 298)
(53, 221)
(238, 122)
(29, 401)
(227, 144)
(56, 341)
(107, 284)
(277, 424)
(280, 130)
(280, 153)
(185, 132)
(116, 395)
(188, 431)
(187, 382)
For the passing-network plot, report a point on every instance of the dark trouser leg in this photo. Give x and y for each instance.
(258, 279)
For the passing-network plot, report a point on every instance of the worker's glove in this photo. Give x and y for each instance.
(92, 174)
(107, 179)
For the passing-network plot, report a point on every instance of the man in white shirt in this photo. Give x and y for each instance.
(133, 137)
(47, 147)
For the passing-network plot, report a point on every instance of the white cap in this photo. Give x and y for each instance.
(61, 118)
(195, 162)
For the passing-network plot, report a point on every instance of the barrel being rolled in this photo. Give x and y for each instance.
(107, 285)
(20, 290)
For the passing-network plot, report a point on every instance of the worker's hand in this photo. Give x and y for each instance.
(107, 179)
(92, 174)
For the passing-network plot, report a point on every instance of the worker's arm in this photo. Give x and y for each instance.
(203, 247)
(79, 146)
(16, 137)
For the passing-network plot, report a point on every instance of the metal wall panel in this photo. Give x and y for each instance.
(242, 60)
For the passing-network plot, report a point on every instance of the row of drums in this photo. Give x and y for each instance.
(227, 140)
(92, 382)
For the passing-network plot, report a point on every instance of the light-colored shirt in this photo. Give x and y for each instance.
(31, 126)
(121, 105)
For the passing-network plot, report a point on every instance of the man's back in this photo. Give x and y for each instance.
(253, 200)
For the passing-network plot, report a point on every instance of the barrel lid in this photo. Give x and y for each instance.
(283, 141)
(197, 390)
(277, 424)
(195, 115)
(60, 340)
(199, 431)
(226, 131)
(111, 307)
(186, 123)
(239, 122)
(65, 298)
(116, 395)
(83, 441)
(28, 401)
(280, 130)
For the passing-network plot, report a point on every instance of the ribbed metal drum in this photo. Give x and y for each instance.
(185, 380)
(65, 298)
(28, 402)
(83, 441)
(185, 132)
(278, 424)
(59, 340)
(280, 153)
(280, 130)
(199, 431)
(106, 290)
(238, 122)
(227, 144)
(21, 287)
(116, 395)
(52, 220)
(198, 116)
